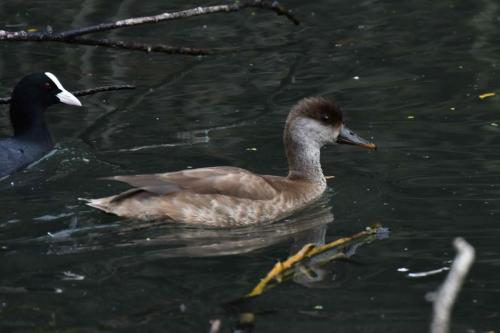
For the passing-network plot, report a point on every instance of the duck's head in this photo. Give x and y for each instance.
(42, 90)
(320, 120)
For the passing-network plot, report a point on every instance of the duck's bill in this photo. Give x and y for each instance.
(68, 98)
(347, 136)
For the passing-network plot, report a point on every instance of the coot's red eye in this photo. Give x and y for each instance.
(46, 86)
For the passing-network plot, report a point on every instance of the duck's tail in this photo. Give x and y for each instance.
(101, 203)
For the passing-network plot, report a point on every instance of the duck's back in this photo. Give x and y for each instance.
(218, 196)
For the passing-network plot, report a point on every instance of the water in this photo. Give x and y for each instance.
(408, 75)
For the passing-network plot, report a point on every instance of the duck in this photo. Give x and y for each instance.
(227, 196)
(31, 139)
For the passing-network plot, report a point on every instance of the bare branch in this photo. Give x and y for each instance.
(215, 326)
(73, 36)
(85, 92)
(263, 4)
(445, 297)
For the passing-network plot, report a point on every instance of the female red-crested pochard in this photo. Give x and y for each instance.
(228, 196)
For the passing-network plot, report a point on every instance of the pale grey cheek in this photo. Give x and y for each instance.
(326, 135)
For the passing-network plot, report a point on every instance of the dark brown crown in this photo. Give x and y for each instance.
(322, 109)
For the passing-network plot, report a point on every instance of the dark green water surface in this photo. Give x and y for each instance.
(407, 74)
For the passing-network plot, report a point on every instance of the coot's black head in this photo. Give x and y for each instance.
(42, 90)
(31, 96)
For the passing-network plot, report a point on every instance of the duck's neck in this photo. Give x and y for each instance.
(28, 122)
(303, 154)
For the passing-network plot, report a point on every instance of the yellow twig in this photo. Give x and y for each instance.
(487, 95)
(308, 251)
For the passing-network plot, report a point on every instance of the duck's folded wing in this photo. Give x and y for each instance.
(228, 181)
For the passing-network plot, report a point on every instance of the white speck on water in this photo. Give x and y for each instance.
(356, 77)
(403, 269)
(70, 276)
(427, 273)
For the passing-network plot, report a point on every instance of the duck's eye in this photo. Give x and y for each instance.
(324, 117)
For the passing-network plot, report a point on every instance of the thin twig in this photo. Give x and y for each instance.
(160, 48)
(445, 297)
(6, 100)
(73, 36)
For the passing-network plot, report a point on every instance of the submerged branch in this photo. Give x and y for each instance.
(73, 36)
(85, 92)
